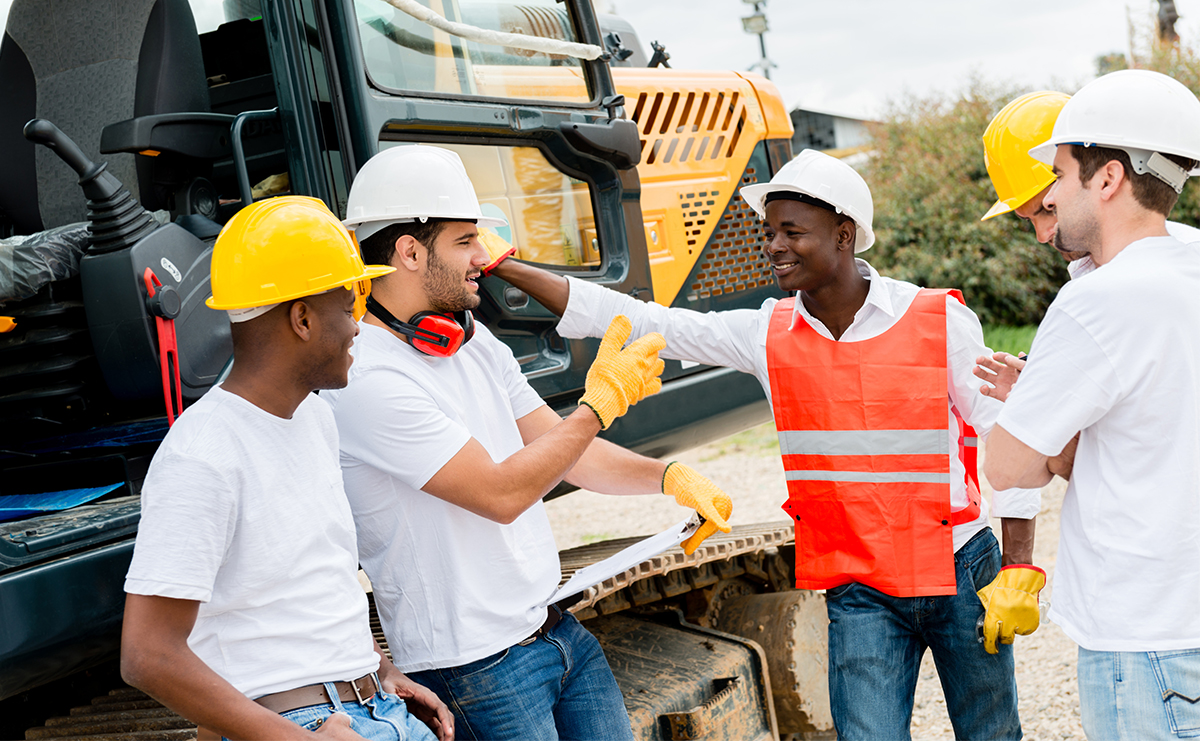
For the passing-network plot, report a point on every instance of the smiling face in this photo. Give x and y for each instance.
(1074, 204)
(334, 330)
(455, 262)
(806, 244)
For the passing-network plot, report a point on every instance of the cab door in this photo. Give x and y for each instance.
(378, 78)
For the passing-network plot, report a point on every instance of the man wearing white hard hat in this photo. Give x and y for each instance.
(1112, 400)
(447, 452)
(871, 385)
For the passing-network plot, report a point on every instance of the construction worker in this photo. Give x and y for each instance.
(244, 613)
(1111, 399)
(447, 452)
(871, 386)
(1021, 184)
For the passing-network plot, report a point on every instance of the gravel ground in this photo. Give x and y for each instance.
(747, 466)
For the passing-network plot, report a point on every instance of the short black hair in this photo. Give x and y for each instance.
(1151, 193)
(379, 248)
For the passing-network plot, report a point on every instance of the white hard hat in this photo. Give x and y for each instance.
(411, 183)
(1141, 112)
(824, 178)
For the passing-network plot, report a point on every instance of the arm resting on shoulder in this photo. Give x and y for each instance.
(502, 491)
(548, 289)
(156, 659)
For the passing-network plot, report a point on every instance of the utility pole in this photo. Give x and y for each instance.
(757, 24)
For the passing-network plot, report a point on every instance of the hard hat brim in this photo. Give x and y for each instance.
(755, 194)
(371, 272)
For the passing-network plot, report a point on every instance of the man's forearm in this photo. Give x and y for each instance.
(548, 289)
(1017, 536)
(156, 659)
(610, 469)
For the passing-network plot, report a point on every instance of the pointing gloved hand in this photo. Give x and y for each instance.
(620, 378)
(1010, 604)
(498, 249)
(690, 489)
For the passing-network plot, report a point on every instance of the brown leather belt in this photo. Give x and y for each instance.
(553, 615)
(314, 694)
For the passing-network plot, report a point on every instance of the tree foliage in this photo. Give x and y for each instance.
(930, 188)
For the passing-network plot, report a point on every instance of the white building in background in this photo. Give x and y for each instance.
(844, 137)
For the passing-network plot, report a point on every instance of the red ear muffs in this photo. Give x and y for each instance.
(439, 335)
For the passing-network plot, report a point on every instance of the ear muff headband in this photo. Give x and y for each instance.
(439, 335)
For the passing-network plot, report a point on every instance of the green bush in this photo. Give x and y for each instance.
(930, 188)
(1012, 340)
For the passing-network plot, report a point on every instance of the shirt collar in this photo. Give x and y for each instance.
(877, 296)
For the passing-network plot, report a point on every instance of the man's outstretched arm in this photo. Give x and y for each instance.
(548, 289)
(156, 659)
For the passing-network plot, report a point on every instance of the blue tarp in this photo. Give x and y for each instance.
(23, 505)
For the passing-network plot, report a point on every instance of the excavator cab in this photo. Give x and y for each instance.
(133, 129)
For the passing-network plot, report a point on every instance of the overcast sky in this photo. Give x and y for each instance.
(852, 56)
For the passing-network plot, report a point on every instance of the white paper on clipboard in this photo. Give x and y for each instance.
(627, 558)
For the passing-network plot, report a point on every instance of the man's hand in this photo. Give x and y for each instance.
(620, 378)
(1001, 371)
(498, 249)
(1063, 463)
(690, 489)
(1010, 604)
(422, 703)
(337, 728)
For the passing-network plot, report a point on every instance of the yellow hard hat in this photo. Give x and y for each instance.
(1021, 125)
(281, 249)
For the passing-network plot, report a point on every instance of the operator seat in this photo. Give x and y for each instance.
(84, 64)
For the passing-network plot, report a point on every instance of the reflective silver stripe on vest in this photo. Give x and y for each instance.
(864, 442)
(971, 442)
(906, 477)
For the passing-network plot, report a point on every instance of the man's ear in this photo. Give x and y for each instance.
(410, 254)
(1110, 178)
(846, 232)
(300, 316)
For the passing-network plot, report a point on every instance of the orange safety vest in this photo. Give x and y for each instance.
(863, 430)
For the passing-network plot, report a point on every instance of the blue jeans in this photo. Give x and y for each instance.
(875, 647)
(1139, 696)
(382, 717)
(558, 686)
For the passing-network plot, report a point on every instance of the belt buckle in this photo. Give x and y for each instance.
(354, 687)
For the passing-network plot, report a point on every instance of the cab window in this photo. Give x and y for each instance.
(403, 54)
(549, 213)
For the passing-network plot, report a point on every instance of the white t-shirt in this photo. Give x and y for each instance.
(738, 339)
(1118, 357)
(451, 587)
(1182, 232)
(244, 512)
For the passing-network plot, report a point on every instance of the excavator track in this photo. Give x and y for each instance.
(127, 714)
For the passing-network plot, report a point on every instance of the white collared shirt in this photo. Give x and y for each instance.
(738, 339)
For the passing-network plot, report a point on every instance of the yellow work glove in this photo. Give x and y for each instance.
(690, 489)
(618, 378)
(498, 249)
(1010, 604)
(7, 324)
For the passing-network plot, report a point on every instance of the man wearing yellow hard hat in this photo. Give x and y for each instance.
(244, 613)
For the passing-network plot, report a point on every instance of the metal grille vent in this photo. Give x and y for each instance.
(682, 127)
(732, 261)
(696, 213)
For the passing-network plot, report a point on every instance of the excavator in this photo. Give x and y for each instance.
(131, 130)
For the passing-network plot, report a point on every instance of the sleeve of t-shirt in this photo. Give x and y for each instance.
(189, 513)
(1067, 385)
(391, 423)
